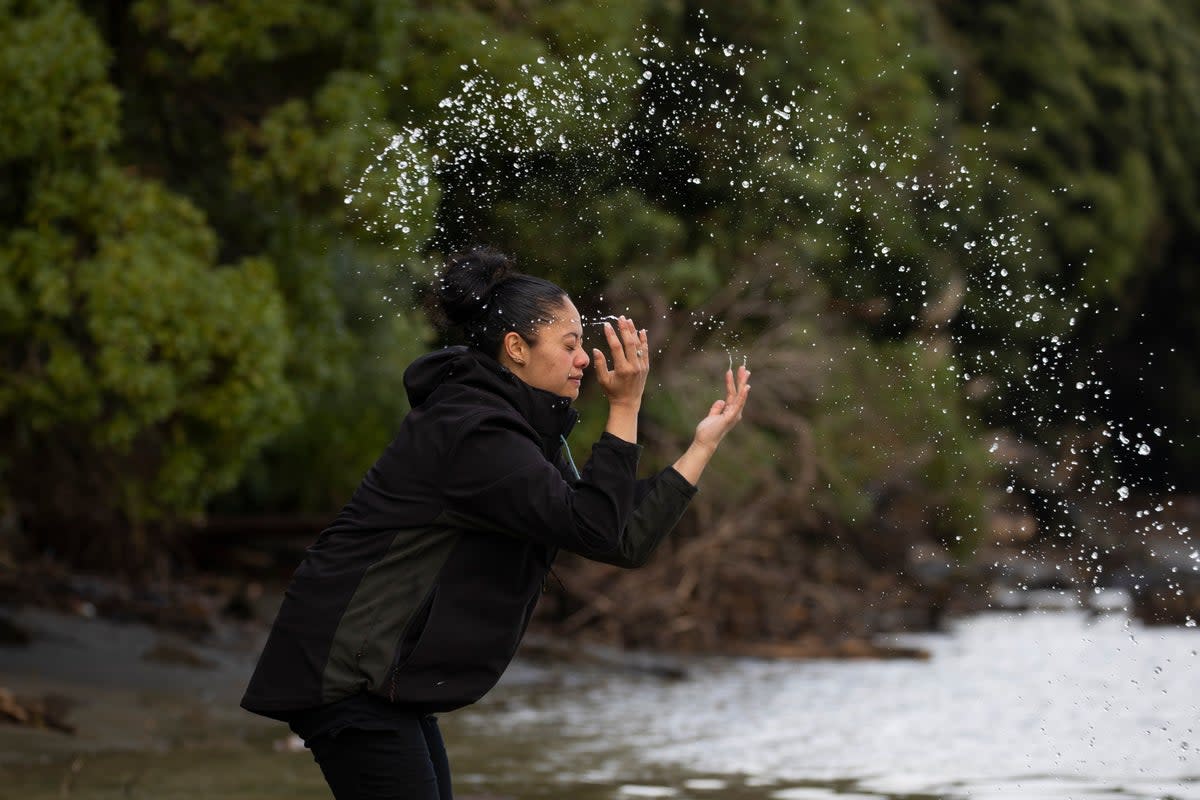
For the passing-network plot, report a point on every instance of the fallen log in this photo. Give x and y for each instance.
(45, 713)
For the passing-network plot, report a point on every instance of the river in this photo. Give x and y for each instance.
(1035, 704)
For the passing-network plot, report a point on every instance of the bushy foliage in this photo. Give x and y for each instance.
(190, 301)
(140, 374)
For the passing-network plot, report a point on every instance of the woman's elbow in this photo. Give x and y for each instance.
(621, 558)
(632, 560)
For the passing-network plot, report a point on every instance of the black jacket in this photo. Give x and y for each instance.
(420, 590)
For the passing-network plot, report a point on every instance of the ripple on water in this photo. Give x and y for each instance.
(705, 784)
(636, 790)
(817, 793)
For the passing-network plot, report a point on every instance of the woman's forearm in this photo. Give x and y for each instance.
(622, 421)
(693, 461)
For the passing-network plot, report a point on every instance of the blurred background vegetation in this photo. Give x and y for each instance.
(194, 321)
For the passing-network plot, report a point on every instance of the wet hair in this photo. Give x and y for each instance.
(481, 293)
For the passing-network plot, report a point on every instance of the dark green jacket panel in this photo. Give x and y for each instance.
(288, 675)
(485, 595)
(388, 598)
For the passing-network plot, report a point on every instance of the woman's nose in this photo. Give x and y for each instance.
(581, 359)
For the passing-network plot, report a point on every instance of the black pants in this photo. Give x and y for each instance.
(408, 761)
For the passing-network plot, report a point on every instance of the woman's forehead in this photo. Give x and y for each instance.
(566, 319)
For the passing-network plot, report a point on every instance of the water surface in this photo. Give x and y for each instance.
(1037, 704)
(1051, 704)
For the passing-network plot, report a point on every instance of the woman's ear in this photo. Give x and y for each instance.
(516, 348)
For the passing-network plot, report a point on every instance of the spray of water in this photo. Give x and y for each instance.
(858, 191)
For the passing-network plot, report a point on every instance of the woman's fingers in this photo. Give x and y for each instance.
(615, 345)
(630, 341)
(743, 391)
(723, 415)
(735, 394)
(629, 346)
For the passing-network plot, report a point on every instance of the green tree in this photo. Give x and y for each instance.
(190, 288)
(140, 374)
(1093, 121)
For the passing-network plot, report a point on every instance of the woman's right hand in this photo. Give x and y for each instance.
(624, 383)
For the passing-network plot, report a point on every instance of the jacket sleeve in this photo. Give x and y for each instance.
(660, 502)
(498, 479)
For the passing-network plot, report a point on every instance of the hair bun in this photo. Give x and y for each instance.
(468, 280)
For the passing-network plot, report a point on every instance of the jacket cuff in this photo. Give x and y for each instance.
(620, 444)
(672, 478)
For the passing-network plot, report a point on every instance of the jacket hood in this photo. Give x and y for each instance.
(549, 414)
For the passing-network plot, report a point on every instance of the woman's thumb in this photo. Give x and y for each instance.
(601, 364)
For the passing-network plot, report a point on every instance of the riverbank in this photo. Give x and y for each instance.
(810, 588)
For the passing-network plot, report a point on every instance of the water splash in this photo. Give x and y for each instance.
(836, 179)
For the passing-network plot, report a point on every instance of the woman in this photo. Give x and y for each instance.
(414, 600)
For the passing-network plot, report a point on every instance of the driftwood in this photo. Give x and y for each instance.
(739, 587)
(759, 578)
(44, 713)
(559, 649)
(183, 607)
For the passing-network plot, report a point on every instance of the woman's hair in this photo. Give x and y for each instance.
(481, 292)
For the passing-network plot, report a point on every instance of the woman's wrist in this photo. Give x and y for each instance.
(622, 421)
(693, 461)
(634, 405)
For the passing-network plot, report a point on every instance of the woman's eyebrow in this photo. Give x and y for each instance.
(572, 333)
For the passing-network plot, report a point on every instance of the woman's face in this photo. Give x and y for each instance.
(557, 360)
